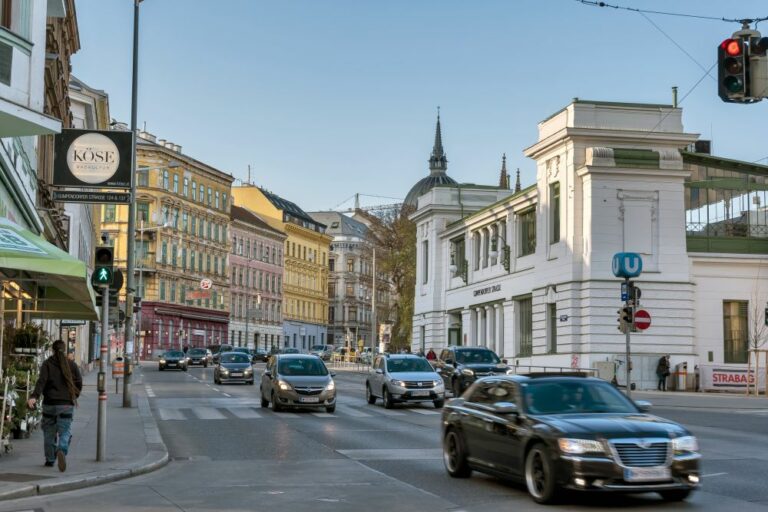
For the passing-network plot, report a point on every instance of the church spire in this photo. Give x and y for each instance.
(518, 188)
(438, 163)
(504, 177)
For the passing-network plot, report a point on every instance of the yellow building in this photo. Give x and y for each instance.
(182, 219)
(305, 296)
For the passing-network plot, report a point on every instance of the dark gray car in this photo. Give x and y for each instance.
(297, 380)
(234, 367)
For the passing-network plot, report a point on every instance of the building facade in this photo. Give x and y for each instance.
(182, 247)
(529, 273)
(349, 284)
(305, 256)
(256, 281)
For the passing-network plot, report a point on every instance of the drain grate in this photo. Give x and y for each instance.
(20, 477)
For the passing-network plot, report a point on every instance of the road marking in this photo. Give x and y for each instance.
(287, 415)
(394, 454)
(245, 413)
(150, 393)
(215, 389)
(351, 411)
(171, 414)
(713, 474)
(208, 413)
(323, 415)
(227, 395)
(427, 412)
(387, 412)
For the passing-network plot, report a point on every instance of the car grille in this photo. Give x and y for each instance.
(308, 390)
(419, 384)
(633, 455)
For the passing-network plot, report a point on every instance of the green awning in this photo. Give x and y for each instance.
(50, 282)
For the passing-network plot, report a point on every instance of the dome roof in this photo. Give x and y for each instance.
(424, 185)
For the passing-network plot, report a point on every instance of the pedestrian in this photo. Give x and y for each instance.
(59, 384)
(431, 356)
(662, 372)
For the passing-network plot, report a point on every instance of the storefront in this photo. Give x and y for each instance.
(167, 326)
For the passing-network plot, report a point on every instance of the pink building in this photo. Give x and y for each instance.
(256, 267)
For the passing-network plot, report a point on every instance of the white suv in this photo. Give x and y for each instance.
(404, 378)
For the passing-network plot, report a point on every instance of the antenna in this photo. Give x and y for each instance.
(249, 174)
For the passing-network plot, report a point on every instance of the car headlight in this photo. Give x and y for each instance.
(284, 385)
(399, 383)
(224, 370)
(468, 372)
(162, 361)
(437, 383)
(331, 386)
(579, 446)
(248, 370)
(685, 444)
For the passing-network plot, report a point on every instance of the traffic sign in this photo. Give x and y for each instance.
(642, 319)
(206, 284)
(627, 265)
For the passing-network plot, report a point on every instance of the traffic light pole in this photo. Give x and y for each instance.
(101, 424)
(131, 245)
(627, 350)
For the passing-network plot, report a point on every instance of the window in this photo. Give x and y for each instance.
(183, 294)
(552, 328)
(184, 258)
(174, 252)
(209, 230)
(166, 183)
(486, 247)
(350, 290)
(142, 178)
(525, 327)
(201, 233)
(194, 190)
(184, 221)
(193, 227)
(527, 223)
(554, 212)
(217, 199)
(208, 263)
(224, 200)
(350, 264)
(175, 183)
(162, 289)
(142, 212)
(200, 266)
(175, 218)
(332, 265)
(172, 297)
(210, 196)
(458, 258)
(425, 262)
(185, 191)
(164, 253)
(192, 260)
(110, 212)
(735, 331)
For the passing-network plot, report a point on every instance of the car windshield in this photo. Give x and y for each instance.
(317, 348)
(410, 364)
(197, 352)
(290, 351)
(476, 357)
(301, 366)
(235, 357)
(569, 397)
(174, 353)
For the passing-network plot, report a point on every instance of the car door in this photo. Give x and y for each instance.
(266, 380)
(477, 422)
(447, 361)
(505, 432)
(373, 378)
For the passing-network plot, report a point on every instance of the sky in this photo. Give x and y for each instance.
(328, 98)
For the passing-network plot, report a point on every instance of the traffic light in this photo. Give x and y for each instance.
(104, 260)
(136, 304)
(733, 71)
(625, 319)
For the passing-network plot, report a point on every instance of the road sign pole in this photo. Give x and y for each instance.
(101, 424)
(627, 354)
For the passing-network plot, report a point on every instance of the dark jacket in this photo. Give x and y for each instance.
(51, 383)
(662, 369)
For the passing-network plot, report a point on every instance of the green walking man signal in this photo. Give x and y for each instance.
(104, 260)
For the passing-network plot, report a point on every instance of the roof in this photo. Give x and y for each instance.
(724, 163)
(340, 224)
(426, 184)
(247, 216)
(290, 208)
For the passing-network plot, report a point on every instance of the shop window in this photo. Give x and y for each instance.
(735, 331)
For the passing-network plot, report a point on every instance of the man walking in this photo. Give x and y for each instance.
(662, 372)
(60, 383)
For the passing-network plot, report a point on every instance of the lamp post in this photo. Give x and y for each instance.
(248, 310)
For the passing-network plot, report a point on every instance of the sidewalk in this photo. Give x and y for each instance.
(134, 446)
(734, 401)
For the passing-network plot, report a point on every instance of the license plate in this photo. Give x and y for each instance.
(237, 374)
(309, 399)
(420, 393)
(171, 364)
(647, 474)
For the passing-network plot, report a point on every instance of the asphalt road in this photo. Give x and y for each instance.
(229, 454)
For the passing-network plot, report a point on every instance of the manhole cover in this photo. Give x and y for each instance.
(20, 477)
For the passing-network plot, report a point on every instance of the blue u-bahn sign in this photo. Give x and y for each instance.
(627, 265)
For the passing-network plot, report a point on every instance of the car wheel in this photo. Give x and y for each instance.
(275, 406)
(264, 401)
(540, 475)
(216, 380)
(159, 368)
(387, 399)
(439, 404)
(205, 365)
(186, 368)
(369, 395)
(250, 383)
(455, 455)
(676, 495)
(331, 408)
(456, 388)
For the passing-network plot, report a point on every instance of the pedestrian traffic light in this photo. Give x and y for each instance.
(104, 260)
(733, 71)
(136, 304)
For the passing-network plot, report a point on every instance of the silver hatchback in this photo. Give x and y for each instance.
(297, 380)
(404, 378)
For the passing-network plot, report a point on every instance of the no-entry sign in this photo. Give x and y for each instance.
(642, 319)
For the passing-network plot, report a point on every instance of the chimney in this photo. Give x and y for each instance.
(161, 142)
(168, 145)
(177, 148)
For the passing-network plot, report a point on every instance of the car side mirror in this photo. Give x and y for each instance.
(438, 370)
(333, 374)
(504, 361)
(643, 405)
(379, 371)
(505, 408)
(267, 373)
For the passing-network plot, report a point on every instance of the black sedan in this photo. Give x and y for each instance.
(233, 367)
(199, 356)
(567, 432)
(173, 359)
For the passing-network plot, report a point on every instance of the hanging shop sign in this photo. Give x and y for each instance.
(93, 159)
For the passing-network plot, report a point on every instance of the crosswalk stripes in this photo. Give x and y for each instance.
(426, 412)
(245, 413)
(208, 413)
(171, 414)
(351, 411)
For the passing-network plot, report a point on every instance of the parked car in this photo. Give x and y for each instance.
(233, 367)
(200, 356)
(577, 433)
(217, 350)
(322, 351)
(461, 366)
(259, 354)
(297, 380)
(404, 378)
(290, 350)
(173, 359)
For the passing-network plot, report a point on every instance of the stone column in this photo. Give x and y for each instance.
(480, 328)
(489, 321)
(466, 326)
(499, 311)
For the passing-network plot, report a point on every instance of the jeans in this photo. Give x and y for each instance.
(662, 383)
(57, 420)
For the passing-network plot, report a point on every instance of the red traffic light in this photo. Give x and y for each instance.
(731, 47)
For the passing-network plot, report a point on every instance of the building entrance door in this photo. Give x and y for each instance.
(454, 336)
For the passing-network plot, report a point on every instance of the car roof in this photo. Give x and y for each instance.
(403, 356)
(546, 378)
(297, 356)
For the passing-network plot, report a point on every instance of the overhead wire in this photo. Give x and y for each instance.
(667, 13)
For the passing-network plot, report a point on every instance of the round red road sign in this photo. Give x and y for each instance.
(642, 319)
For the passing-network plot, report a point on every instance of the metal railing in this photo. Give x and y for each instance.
(533, 370)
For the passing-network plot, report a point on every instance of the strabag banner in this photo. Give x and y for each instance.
(93, 159)
(729, 377)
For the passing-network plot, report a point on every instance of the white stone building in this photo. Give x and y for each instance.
(528, 273)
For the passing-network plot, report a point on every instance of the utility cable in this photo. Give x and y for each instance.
(678, 45)
(667, 13)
